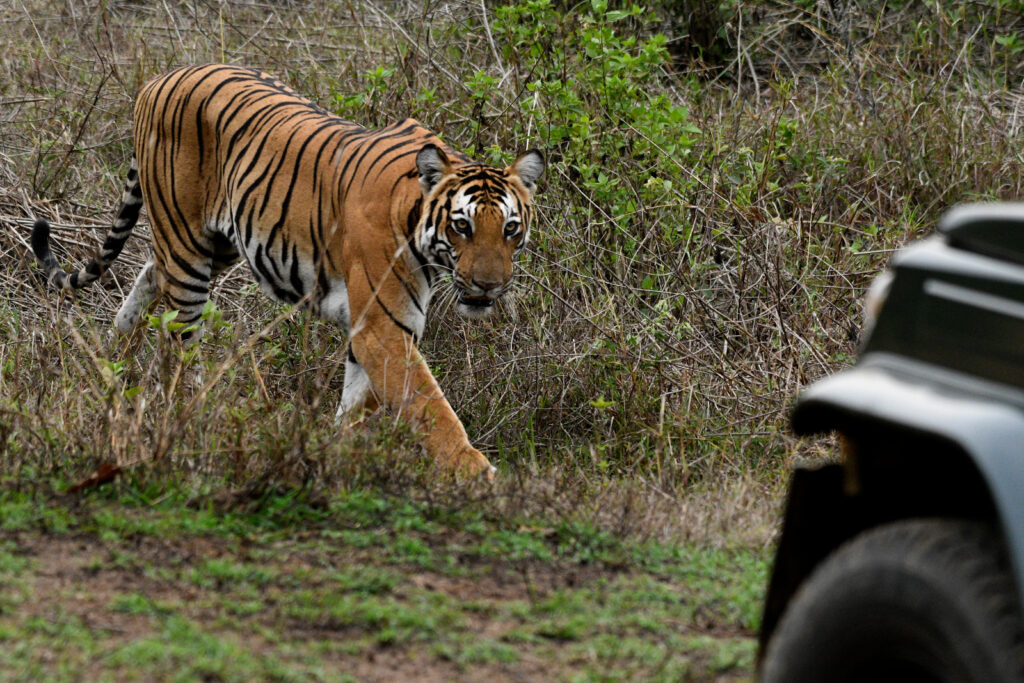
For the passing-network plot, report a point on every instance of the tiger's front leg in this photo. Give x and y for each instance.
(357, 396)
(384, 365)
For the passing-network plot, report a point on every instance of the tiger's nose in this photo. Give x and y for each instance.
(487, 285)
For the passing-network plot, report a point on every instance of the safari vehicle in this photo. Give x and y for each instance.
(905, 561)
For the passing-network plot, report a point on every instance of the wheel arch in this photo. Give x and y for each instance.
(909, 450)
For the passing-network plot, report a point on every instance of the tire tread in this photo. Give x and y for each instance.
(949, 554)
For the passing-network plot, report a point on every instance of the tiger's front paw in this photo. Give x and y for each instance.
(468, 462)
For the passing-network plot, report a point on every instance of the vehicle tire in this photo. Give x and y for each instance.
(915, 600)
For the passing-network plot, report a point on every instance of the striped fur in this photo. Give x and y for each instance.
(359, 225)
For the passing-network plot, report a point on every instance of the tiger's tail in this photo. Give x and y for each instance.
(120, 231)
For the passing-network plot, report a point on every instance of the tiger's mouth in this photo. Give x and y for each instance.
(476, 305)
(478, 302)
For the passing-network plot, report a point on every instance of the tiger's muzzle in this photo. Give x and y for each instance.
(478, 297)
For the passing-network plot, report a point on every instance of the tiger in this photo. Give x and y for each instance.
(359, 226)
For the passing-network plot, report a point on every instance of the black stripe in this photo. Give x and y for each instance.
(260, 267)
(402, 326)
(411, 223)
(297, 130)
(413, 219)
(397, 157)
(190, 319)
(180, 303)
(348, 162)
(244, 199)
(378, 139)
(286, 201)
(425, 267)
(230, 106)
(255, 120)
(297, 284)
(201, 108)
(412, 295)
(189, 271)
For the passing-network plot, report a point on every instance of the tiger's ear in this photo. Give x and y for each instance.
(528, 168)
(432, 165)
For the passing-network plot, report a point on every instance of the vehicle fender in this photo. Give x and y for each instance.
(987, 430)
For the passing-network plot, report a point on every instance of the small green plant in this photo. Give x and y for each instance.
(363, 106)
(1012, 47)
(611, 109)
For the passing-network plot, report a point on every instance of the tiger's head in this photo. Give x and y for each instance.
(475, 222)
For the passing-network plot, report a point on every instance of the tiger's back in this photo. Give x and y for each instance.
(234, 163)
(359, 225)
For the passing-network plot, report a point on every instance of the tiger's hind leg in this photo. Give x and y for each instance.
(181, 275)
(184, 280)
(140, 298)
(185, 264)
(187, 289)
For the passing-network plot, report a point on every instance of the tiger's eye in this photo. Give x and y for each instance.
(462, 227)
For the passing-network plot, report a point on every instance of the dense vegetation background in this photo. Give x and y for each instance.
(725, 179)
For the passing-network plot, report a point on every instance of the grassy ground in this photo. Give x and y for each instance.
(367, 587)
(717, 201)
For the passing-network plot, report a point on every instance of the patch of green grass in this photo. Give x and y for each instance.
(137, 603)
(55, 647)
(20, 511)
(12, 562)
(221, 573)
(513, 546)
(631, 619)
(119, 521)
(243, 607)
(475, 650)
(364, 580)
(673, 657)
(14, 591)
(184, 650)
(611, 658)
(732, 580)
(411, 549)
(418, 616)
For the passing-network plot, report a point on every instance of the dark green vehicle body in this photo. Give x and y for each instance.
(932, 415)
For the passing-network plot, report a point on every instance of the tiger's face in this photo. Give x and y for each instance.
(476, 221)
